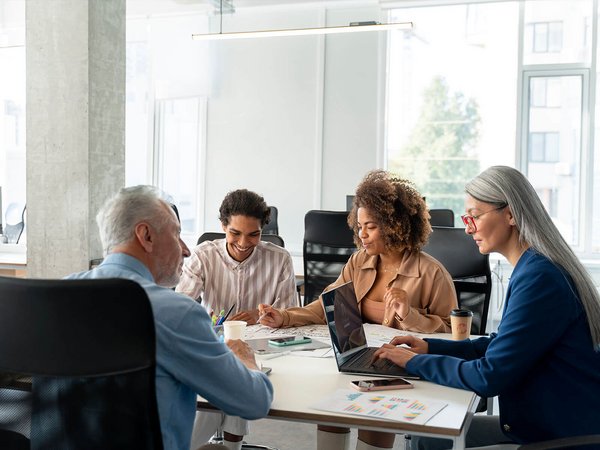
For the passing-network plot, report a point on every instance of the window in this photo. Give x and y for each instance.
(548, 197)
(12, 108)
(166, 92)
(554, 157)
(545, 93)
(544, 37)
(543, 147)
(452, 109)
(555, 31)
(178, 149)
(445, 122)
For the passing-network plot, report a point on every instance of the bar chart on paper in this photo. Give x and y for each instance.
(383, 406)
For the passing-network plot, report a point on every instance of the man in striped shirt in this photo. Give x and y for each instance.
(239, 270)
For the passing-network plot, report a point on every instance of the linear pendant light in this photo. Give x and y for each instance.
(354, 27)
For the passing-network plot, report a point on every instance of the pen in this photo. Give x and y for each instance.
(276, 355)
(263, 315)
(224, 318)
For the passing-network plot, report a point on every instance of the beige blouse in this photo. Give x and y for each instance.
(429, 287)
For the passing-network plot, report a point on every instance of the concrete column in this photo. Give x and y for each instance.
(75, 128)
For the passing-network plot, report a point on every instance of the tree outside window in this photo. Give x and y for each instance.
(439, 156)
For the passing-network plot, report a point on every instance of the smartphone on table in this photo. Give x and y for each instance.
(380, 384)
(292, 340)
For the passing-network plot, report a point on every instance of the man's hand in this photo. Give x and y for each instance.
(244, 353)
(249, 316)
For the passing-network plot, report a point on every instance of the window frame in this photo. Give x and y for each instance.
(586, 178)
(158, 156)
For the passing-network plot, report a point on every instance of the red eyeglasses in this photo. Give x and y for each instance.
(469, 221)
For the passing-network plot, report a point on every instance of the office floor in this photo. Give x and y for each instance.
(293, 435)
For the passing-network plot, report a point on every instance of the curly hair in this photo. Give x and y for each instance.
(398, 208)
(243, 202)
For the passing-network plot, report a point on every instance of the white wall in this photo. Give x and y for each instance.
(296, 119)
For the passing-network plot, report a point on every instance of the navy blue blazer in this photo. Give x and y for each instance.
(541, 364)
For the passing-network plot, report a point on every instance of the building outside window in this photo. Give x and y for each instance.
(460, 100)
(544, 37)
(544, 147)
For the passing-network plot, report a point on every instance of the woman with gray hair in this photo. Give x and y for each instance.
(544, 361)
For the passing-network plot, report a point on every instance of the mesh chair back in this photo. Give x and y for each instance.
(89, 346)
(15, 222)
(272, 227)
(328, 244)
(212, 235)
(469, 269)
(441, 217)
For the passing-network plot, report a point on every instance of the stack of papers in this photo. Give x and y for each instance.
(381, 406)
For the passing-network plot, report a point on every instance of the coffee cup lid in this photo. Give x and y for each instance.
(461, 312)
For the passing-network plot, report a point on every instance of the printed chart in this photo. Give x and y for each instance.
(390, 407)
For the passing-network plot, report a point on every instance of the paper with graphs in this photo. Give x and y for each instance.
(398, 407)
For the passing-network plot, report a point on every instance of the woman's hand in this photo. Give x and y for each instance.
(401, 355)
(249, 316)
(416, 345)
(397, 300)
(270, 316)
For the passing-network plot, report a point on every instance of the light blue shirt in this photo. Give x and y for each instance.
(190, 359)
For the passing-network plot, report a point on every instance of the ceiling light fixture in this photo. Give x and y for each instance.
(354, 27)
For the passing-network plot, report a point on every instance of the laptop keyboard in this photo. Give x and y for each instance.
(363, 362)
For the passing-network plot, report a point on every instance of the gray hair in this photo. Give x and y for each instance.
(505, 186)
(121, 213)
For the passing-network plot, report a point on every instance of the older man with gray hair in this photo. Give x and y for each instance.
(140, 235)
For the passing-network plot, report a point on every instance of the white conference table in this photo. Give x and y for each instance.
(300, 381)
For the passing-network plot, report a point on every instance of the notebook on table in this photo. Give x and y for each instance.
(348, 337)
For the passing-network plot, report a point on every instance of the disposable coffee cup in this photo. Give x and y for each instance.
(460, 321)
(234, 329)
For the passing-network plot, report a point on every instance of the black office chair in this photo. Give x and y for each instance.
(272, 227)
(89, 348)
(470, 272)
(581, 442)
(469, 269)
(328, 244)
(441, 217)
(212, 235)
(591, 441)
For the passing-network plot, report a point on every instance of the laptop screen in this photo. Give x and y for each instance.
(344, 322)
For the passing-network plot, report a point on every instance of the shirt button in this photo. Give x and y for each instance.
(506, 427)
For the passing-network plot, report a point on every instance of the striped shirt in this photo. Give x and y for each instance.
(212, 276)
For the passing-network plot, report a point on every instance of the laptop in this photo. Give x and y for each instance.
(348, 337)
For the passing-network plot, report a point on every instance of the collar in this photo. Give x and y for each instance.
(232, 262)
(409, 264)
(128, 262)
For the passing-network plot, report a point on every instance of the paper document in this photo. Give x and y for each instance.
(312, 331)
(398, 407)
(262, 347)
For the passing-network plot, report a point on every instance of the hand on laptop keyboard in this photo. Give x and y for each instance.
(381, 363)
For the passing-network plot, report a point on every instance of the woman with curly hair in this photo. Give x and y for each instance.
(395, 283)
